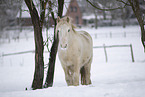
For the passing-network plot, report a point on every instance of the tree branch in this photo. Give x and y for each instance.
(126, 3)
(108, 9)
(42, 13)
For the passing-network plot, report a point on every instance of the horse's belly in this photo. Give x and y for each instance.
(87, 52)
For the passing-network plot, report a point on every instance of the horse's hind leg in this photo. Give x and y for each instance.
(83, 80)
(85, 73)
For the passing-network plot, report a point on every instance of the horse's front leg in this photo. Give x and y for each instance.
(68, 76)
(73, 75)
(76, 78)
(76, 75)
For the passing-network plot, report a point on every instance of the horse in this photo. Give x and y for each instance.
(75, 52)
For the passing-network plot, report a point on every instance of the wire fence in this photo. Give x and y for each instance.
(114, 46)
(115, 35)
(95, 47)
(18, 53)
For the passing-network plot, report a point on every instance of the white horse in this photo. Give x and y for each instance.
(75, 51)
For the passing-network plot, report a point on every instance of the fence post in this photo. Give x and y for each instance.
(124, 34)
(1, 58)
(105, 52)
(131, 52)
(95, 35)
(110, 34)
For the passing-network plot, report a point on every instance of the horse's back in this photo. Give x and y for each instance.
(87, 46)
(86, 37)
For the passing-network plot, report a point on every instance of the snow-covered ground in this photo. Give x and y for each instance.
(119, 77)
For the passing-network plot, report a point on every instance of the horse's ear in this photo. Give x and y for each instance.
(68, 19)
(73, 26)
(58, 19)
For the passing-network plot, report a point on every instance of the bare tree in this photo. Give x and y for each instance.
(136, 9)
(39, 48)
(8, 12)
(38, 22)
(51, 64)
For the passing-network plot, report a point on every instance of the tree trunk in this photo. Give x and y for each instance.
(123, 18)
(96, 19)
(53, 51)
(136, 9)
(104, 13)
(96, 22)
(39, 63)
(51, 64)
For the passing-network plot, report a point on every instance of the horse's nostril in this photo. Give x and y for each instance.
(63, 46)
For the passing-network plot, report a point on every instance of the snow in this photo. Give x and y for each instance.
(88, 17)
(92, 16)
(119, 77)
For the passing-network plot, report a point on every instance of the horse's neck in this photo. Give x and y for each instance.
(73, 35)
(73, 38)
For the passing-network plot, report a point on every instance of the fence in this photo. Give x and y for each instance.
(114, 35)
(18, 53)
(112, 46)
(104, 46)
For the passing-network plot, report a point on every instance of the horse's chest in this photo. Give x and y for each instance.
(69, 57)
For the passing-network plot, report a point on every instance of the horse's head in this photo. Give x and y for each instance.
(64, 29)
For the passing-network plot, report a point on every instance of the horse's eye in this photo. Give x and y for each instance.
(68, 30)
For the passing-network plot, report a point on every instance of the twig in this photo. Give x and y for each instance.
(126, 3)
(108, 9)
